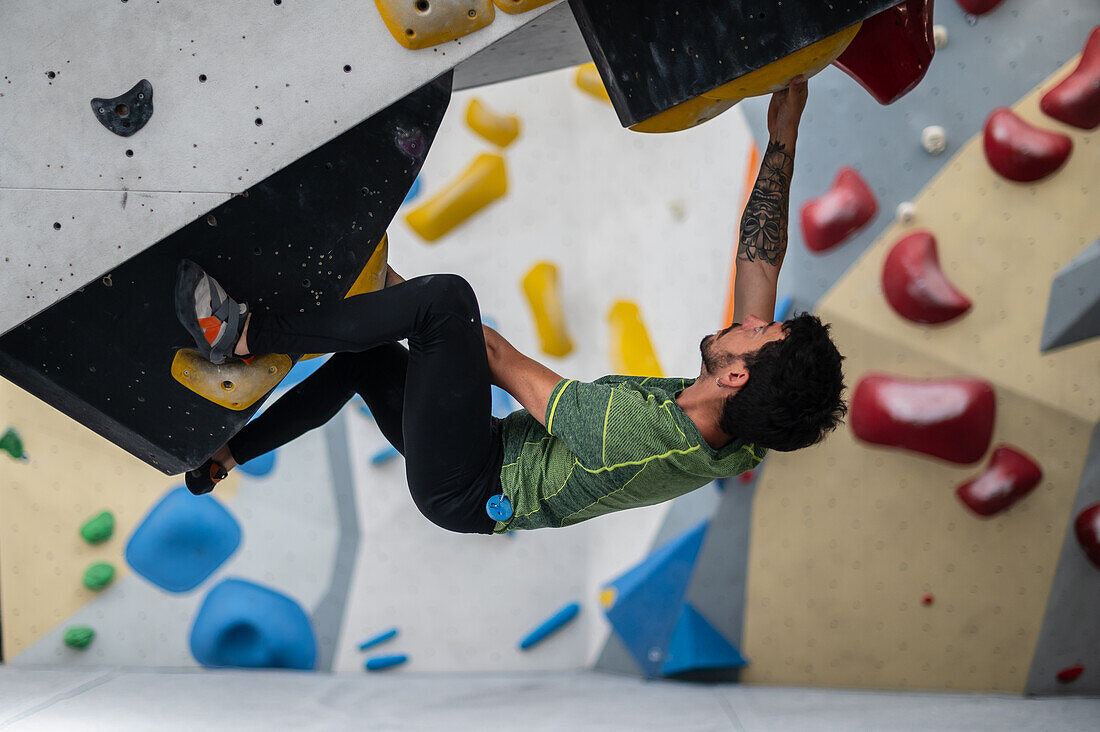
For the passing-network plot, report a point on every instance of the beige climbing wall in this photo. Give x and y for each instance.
(847, 537)
(72, 474)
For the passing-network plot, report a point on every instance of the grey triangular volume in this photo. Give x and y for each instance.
(1073, 309)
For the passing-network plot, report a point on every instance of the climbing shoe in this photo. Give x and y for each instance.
(203, 478)
(213, 319)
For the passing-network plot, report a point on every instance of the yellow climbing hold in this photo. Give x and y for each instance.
(588, 80)
(519, 6)
(499, 129)
(373, 276)
(423, 23)
(234, 385)
(484, 181)
(608, 595)
(541, 286)
(806, 62)
(765, 80)
(632, 352)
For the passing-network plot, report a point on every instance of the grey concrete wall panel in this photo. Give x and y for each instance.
(989, 61)
(215, 68)
(328, 617)
(552, 41)
(1070, 634)
(1073, 310)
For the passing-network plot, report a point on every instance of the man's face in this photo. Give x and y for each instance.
(720, 349)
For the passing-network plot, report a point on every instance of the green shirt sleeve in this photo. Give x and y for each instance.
(607, 425)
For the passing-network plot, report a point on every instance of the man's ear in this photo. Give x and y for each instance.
(735, 375)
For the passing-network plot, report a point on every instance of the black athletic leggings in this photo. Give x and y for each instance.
(432, 401)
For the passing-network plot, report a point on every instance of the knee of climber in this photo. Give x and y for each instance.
(452, 293)
(439, 515)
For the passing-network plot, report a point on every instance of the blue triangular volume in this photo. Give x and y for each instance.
(649, 597)
(697, 645)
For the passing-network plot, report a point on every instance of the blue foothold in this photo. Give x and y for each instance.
(380, 662)
(380, 638)
(414, 191)
(384, 455)
(552, 624)
(499, 507)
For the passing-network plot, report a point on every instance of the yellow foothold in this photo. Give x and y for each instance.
(483, 182)
(519, 6)
(632, 352)
(235, 385)
(499, 129)
(540, 284)
(588, 80)
(686, 115)
(373, 275)
(608, 595)
(777, 75)
(423, 23)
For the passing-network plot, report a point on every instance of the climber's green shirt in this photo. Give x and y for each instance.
(618, 442)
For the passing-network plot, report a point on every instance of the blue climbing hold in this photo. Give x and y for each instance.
(503, 403)
(387, 453)
(380, 662)
(499, 508)
(697, 645)
(182, 540)
(552, 624)
(260, 466)
(414, 191)
(644, 604)
(783, 308)
(380, 638)
(245, 625)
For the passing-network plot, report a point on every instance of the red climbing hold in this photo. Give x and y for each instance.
(914, 284)
(1010, 476)
(978, 7)
(1071, 673)
(892, 50)
(927, 599)
(1087, 528)
(838, 213)
(747, 476)
(1022, 152)
(1076, 100)
(950, 419)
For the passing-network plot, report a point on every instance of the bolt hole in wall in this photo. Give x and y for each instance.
(202, 78)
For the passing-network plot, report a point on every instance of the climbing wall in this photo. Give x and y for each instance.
(329, 524)
(864, 569)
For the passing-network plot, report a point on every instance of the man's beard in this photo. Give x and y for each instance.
(712, 361)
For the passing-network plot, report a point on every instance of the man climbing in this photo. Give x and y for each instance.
(577, 450)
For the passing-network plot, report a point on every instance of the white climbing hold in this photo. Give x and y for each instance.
(906, 212)
(939, 36)
(933, 139)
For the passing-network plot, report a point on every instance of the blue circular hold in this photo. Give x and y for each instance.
(499, 508)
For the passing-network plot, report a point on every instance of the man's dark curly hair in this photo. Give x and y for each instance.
(793, 396)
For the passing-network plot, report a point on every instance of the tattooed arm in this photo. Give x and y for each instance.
(763, 238)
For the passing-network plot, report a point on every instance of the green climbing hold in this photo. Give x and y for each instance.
(98, 528)
(79, 636)
(12, 444)
(98, 576)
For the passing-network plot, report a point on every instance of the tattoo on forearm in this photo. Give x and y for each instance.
(764, 223)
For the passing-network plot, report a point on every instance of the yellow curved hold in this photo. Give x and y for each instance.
(806, 61)
(588, 80)
(519, 6)
(423, 23)
(540, 284)
(608, 595)
(483, 182)
(499, 129)
(235, 385)
(765, 80)
(685, 115)
(632, 352)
